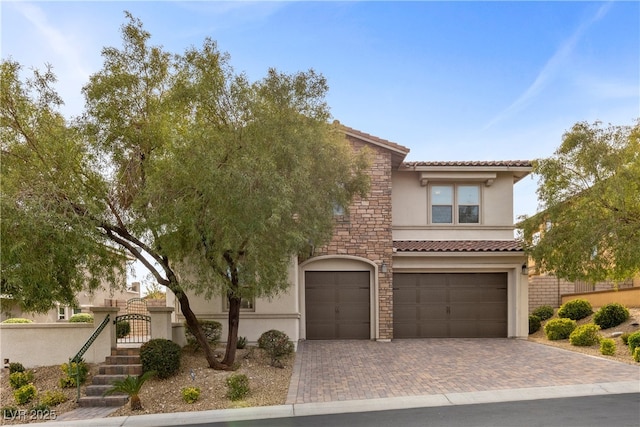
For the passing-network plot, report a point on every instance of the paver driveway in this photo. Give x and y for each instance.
(345, 370)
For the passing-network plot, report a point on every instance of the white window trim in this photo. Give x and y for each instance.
(454, 207)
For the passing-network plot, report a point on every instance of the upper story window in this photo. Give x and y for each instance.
(455, 204)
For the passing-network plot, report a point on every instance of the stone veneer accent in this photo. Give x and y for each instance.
(366, 231)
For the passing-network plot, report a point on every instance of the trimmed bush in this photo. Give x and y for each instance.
(543, 312)
(123, 328)
(190, 394)
(25, 394)
(16, 367)
(534, 324)
(20, 379)
(53, 398)
(559, 329)
(636, 354)
(611, 315)
(607, 347)
(276, 344)
(633, 341)
(73, 371)
(162, 356)
(575, 309)
(625, 338)
(17, 320)
(81, 318)
(238, 386)
(212, 330)
(585, 335)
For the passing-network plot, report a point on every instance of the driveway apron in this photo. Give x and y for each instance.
(327, 371)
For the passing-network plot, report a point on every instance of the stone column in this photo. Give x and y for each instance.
(107, 339)
(160, 322)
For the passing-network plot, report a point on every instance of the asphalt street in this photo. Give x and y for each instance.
(618, 410)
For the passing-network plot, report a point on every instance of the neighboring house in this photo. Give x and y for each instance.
(430, 252)
(102, 297)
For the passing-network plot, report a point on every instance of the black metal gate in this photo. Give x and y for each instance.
(135, 326)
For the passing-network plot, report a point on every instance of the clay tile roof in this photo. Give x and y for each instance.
(479, 163)
(457, 246)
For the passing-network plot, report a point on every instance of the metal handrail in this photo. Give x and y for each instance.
(78, 357)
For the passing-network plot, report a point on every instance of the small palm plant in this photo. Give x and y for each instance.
(131, 387)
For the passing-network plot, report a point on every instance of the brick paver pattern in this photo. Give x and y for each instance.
(345, 370)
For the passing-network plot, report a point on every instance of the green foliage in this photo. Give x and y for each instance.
(242, 342)
(633, 341)
(585, 335)
(81, 318)
(276, 344)
(625, 338)
(25, 394)
(588, 190)
(161, 356)
(19, 379)
(543, 312)
(575, 309)
(72, 372)
(39, 408)
(154, 291)
(190, 394)
(607, 347)
(123, 328)
(17, 320)
(534, 324)
(212, 330)
(237, 386)
(559, 329)
(636, 354)
(53, 398)
(16, 367)
(131, 386)
(611, 315)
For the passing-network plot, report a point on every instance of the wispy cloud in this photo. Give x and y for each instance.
(551, 68)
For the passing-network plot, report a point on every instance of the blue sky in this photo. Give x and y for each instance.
(449, 80)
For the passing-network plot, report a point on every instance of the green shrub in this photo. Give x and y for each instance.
(276, 344)
(39, 408)
(534, 324)
(238, 386)
(543, 312)
(607, 347)
(633, 341)
(123, 328)
(160, 355)
(559, 329)
(212, 330)
(25, 394)
(190, 394)
(17, 320)
(636, 354)
(16, 367)
(53, 398)
(625, 338)
(611, 315)
(242, 342)
(73, 371)
(81, 318)
(585, 335)
(575, 309)
(19, 379)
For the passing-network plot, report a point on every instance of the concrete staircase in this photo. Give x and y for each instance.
(122, 362)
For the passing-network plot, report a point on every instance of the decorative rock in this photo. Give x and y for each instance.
(615, 334)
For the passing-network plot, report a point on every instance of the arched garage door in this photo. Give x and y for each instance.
(455, 305)
(337, 305)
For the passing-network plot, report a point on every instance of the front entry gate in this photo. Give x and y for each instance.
(135, 326)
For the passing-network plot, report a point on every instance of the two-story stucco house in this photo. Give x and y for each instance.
(429, 253)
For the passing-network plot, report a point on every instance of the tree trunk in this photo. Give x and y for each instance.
(136, 405)
(198, 333)
(232, 337)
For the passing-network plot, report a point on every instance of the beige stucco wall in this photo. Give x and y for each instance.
(629, 297)
(410, 210)
(517, 283)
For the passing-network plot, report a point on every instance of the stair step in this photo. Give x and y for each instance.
(123, 360)
(99, 390)
(107, 379)
(120, 369)
(125, 351)
(110, 401)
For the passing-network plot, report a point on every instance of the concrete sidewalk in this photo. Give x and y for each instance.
(353, 376)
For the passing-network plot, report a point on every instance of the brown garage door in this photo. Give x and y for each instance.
(337, 305)
(433, 305)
